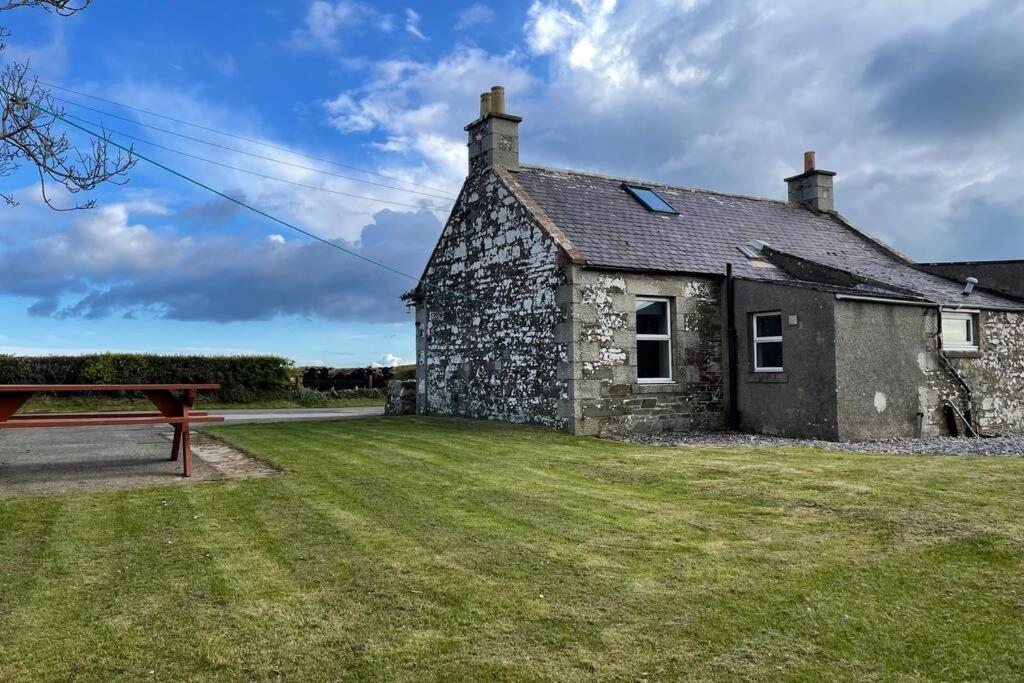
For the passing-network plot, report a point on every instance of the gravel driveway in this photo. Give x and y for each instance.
(1009, 445)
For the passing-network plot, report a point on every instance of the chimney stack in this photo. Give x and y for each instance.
(813, 187)
(494, 137)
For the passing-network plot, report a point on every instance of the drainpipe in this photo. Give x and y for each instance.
(968, 415)
(730, 297)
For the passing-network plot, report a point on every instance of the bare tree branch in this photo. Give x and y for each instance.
(30, 133)
(64, 8)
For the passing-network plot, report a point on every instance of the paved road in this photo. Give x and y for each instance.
(293, 414)
(101, 458)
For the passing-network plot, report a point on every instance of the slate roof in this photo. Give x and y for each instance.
(613, 230)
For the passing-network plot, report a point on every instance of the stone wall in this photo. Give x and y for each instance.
(607, 399)
(494, 354)
(401, 397)
(996, 376)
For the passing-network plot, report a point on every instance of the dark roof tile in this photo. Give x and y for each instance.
(613, 230)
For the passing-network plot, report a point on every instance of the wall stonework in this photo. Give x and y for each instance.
(607, 398)
(997, 376)
(498, 356)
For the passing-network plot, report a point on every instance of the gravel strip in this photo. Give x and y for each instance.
(1008, 445)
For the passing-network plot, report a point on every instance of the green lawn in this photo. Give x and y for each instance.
(418, 549)
(61, 404)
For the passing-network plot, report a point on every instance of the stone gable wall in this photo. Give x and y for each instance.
(497, 357)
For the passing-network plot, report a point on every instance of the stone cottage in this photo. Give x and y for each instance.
(603, 305)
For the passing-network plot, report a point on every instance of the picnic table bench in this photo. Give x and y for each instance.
(173, 403)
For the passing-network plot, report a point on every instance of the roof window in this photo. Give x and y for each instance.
(649, 198)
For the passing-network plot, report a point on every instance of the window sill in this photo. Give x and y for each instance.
(767, 377)
(655, 387)
(962, 353)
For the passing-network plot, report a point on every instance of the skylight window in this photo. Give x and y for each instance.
(649, 198)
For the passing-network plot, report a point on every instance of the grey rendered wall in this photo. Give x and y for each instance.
(801, 401)
(498, 357)
(889, 370)
(607, 398)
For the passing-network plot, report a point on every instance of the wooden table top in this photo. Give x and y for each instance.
(22, 388)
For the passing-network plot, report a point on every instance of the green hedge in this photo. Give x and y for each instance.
(242, 378)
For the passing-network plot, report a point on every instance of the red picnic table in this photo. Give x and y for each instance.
(173, 401)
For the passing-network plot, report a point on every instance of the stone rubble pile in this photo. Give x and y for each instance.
(401, 398)
(1008, 444)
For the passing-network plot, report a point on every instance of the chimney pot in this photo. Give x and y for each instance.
(498, 99)
(494, 136)
(813, 187)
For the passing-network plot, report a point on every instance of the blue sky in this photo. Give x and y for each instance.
(915, 104)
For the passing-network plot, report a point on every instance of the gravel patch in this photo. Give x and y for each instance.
(1006, 445)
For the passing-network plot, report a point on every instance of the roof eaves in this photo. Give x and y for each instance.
(838, 289)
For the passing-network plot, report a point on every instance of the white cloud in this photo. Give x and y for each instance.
(224, 63)
(390, 360)
(323, 213)
(103, 264)
(421, 107)
(412, 24)
(718, 95)
(476, 14)
(326, 21)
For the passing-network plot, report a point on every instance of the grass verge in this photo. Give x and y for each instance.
(429, 549)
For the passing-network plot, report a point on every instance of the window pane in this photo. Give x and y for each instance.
(956, 332)
(651, 317)
(769, 354)
(651, 199)
(769, 325)
(652, 359)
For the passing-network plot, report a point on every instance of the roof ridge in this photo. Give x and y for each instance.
(655, 183)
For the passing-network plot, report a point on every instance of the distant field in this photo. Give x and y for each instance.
(49, 404)
(427, 549)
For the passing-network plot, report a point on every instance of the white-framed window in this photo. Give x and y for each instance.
(959, 331)
(767, 328)
(653, 340)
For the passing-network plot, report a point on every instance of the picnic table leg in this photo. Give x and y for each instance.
(176, 447)
(10, 403)
(186, 446)
(170, 405)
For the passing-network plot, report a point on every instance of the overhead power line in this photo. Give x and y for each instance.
(255, 173)
(229, 134)
(250, 207)
(242, 151)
